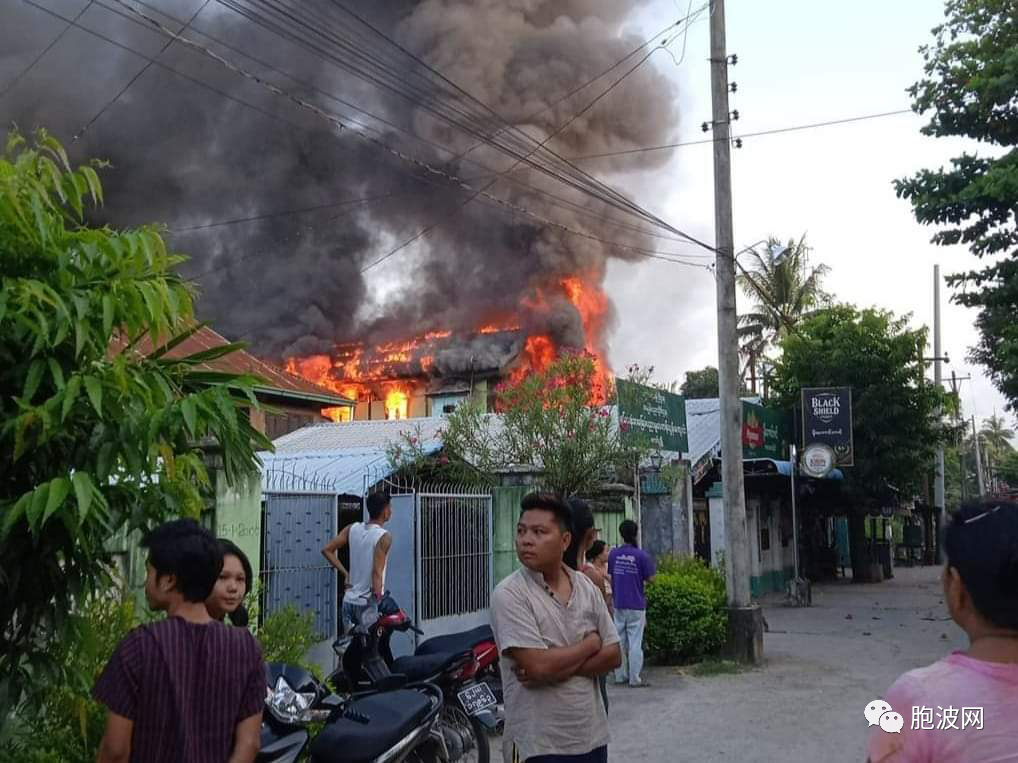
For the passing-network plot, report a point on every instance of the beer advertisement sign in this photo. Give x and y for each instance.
(827, 420)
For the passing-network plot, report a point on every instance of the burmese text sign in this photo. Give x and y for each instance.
(656, 417)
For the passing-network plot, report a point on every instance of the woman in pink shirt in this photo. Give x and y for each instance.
(964, 708)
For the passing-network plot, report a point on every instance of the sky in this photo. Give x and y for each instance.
(801, 62)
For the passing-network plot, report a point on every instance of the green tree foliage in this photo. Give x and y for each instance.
(969, 85)
(1007, 469)
(547, 421)
(996, 435)
(896, 421)
(60, 722)
(784, 289)
(896, 428)
(97, 434)
(700, 384)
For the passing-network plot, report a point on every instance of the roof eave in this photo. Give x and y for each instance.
(335, 400)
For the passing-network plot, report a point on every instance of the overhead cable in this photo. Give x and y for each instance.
(775, 131)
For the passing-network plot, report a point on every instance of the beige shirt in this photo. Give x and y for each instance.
(567, 718)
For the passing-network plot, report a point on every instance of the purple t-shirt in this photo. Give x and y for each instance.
(629, 567)
(186, 686)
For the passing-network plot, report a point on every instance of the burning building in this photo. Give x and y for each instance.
(354, 266)
(432, 374)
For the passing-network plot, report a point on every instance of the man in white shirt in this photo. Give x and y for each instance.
(369, 544)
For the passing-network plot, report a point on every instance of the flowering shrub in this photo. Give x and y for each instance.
(548, 421)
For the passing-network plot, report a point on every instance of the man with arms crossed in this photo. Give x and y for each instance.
(369, 554)
(556, 637)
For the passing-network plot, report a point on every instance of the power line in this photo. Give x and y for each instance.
(338, 123)
(46, 50)
(162, 65)
(573, 206)
(587, 183)
(551, 136)
(134, 79)
(775, 131)
(667, 256)
(284, 213)
(568, 204)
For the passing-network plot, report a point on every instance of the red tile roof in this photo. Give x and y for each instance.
(277, 381)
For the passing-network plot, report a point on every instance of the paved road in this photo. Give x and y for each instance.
(823, 665)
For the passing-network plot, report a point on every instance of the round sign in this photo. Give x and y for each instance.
(817, 460)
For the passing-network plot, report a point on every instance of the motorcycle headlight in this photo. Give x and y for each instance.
(289, 706)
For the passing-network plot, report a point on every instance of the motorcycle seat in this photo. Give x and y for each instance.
(456, 642)
(424, 666)
(391, 717)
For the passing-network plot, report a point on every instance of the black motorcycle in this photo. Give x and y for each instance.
(397, 723)
(469, 703)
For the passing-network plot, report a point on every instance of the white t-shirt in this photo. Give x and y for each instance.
(364, 536)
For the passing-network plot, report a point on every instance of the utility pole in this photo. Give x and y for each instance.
(938, 484)
(979, 460)
(955, 386)
(745, 621)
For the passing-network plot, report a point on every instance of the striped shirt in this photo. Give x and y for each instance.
(186, 686)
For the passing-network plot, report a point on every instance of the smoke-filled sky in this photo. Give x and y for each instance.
(188, 155)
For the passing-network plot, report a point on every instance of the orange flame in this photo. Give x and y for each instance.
(397, 403)
(362, 372)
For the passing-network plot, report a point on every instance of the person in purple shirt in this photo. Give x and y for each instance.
(630, 568)
(187, 688)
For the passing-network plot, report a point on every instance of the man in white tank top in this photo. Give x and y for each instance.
(369, 546)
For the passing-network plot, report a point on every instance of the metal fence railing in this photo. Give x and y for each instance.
(455, 553)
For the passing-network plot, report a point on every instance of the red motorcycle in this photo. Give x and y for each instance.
(463, 665)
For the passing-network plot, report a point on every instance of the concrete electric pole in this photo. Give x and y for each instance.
(745, 621)
(979, 461)
(938, 483)
(955, 388)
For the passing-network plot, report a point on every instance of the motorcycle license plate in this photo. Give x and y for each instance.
(476, 698)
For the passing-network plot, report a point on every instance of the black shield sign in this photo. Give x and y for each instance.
(827, 419)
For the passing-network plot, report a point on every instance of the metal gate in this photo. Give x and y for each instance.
(296, 526)
(440, 563)
(454, 560)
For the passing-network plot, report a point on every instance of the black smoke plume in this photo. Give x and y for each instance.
(191, 155)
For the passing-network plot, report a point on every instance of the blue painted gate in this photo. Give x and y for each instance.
(296, 527)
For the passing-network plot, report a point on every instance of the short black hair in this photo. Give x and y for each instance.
(188, 551)
(596, 550)
(549, 502)
(583, 520)
(981, 542)
(629, 531)
(377, 503)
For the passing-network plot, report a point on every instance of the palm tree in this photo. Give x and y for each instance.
(784, 290)
(997, 435)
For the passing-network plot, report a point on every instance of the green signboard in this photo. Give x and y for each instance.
(765, 432)
(652, 416)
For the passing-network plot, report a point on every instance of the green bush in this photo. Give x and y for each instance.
(57, 720)
(287, 635)
(686, 617)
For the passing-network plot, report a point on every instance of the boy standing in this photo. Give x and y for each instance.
(630, 568)
(187, 687)
(556, 637)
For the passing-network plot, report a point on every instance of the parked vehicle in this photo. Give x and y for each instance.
(461, 665)
(394, 725)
